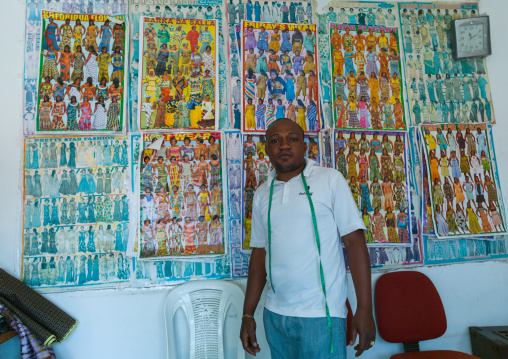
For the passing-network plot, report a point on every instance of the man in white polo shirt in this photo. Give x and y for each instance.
(300, 217)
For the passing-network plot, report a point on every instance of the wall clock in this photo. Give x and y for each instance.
(470, 37)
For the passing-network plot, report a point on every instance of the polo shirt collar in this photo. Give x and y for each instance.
(309, 164)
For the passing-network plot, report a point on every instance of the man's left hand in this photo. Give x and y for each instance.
(364, 327)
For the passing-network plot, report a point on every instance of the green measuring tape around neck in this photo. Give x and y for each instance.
(318, 244)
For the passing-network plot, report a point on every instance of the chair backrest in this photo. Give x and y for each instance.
(408, 308)
(203, 320)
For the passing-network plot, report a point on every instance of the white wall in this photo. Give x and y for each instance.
(129, 324)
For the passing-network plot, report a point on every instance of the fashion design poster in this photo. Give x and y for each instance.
(374, 165)
(240, 255)
(75, 212)
(178, 86)
(182, 195)
(367, 82)
(274, 11)
(279, 70)
(33, 38)
(212, 10)
(256, 166)
(172, 271)
(438, 251)
(464, 197)
(81, 74)
(368, 13)
(441, 89)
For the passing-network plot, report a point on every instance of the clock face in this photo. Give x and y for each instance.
(471, 38)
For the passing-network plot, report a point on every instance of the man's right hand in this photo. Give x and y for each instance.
(248, 336)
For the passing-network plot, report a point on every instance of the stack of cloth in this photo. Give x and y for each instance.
(39, 323)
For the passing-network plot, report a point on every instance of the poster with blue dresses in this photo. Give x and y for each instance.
(75, 212)
(439, 88)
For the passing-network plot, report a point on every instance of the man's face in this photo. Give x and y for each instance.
(285, 146)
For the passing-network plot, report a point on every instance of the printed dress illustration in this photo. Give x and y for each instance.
(178, 85)
(267, 11)
(365, 14)
(463, 198)
(181, 195)
(81, 77)
(374, 165)
(76, 212)
(366, 77)
(442, 89)
(214, 10)
(279, 74)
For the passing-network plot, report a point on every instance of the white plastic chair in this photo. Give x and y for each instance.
(203, 321)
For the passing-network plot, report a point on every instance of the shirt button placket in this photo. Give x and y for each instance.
(285, 193)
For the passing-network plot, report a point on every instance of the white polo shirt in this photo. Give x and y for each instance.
(295, 259)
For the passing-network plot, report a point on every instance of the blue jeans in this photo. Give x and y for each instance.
(305, 338)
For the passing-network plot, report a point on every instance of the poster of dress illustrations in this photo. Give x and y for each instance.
(240, 256)
(174, 271)
(75, 212)
(178, 9)
(279, 74)
(178, 86)
(254, 171)
(369, 13)
(181, 195)
(81, 75)
(441, 89)
(464, 194)
(32, 45)
(439, 251)
(367, 85)
(374, 165)
(266, 11)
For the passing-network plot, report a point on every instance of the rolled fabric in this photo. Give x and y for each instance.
(45, 320)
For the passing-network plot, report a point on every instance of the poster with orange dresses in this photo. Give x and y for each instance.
(178, 74)
(181, 195)
(279, 75)
(81, 73)
(464, 196)
(367, 85)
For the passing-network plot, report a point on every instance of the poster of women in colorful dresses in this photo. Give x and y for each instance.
(464, 195)
(369, 13)
(181, 195)
(178, 86)
(441, 89)
(367, 83)
(274, 11)
(213, 10)
(279, 74)
(32, 46)
(81, 75)
(255, 168)
(374, 165)
(75, 212)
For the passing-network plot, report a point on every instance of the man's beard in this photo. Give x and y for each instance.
(288, 167)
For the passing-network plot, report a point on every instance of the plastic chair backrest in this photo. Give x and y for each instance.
(408, 308)
(203, 320)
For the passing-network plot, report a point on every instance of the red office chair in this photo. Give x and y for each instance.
(409, 310)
